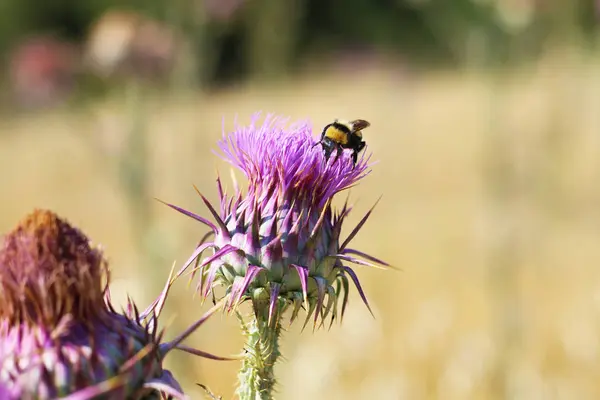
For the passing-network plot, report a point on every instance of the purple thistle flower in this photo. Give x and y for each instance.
(279, 244)
(60, 337)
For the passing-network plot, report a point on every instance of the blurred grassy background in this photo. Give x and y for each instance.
(484, 121)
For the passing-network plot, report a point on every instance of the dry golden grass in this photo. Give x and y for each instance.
(500, 279)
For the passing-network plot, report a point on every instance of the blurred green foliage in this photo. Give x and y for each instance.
(270, 37)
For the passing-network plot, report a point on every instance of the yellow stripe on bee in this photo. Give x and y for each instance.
(336, 135)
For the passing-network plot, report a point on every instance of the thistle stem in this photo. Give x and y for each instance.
(257, 376)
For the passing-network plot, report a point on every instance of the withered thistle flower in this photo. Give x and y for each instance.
(60, 337)
(279, 244)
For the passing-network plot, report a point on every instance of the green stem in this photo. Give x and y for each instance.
(257, 376)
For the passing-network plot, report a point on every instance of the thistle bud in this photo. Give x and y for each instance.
(279, 244)
(60, 337)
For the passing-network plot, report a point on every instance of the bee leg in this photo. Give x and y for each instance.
(356, 151)
(327, 152)
(338, 154)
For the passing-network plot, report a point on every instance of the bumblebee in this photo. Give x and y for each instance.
(340, 135)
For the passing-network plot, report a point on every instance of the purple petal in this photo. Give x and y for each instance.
(357, 261)
(224, 231)
(210, 278)
(290, 245)
(240, 223)
(358, 227)
(191, 214)
(337, 224)
(194, 255)
(151, 307)
(251, 273)
(295, 229)
(221, 194)
(253, 235)
(236, 287)
(286, 156)
(205, 238)
(364, 255)
(286, 224)
(359, 288)
(158, 304)
(317, 228)
(130, 307)
(204, 354)
(195, 269)
(220, 253)
(303, 275)
(273, 251)
(168, 346)
(270, 225)
(227, 249)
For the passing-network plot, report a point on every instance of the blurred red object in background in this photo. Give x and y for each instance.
(42, 71)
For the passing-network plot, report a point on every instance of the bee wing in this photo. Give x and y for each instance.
(359, 124)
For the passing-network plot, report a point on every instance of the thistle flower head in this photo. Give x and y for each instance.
(47, 270)
(279, 243)
(60, 335)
